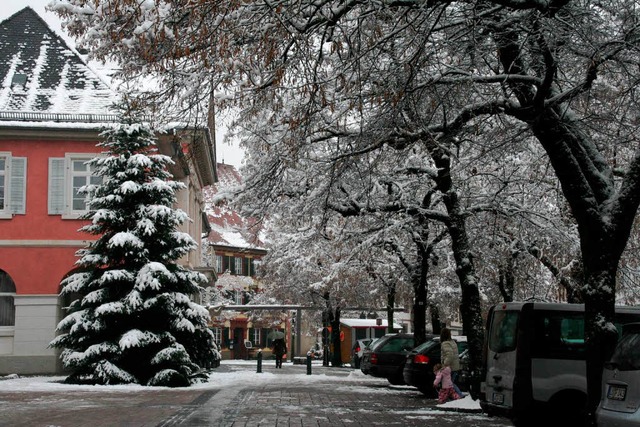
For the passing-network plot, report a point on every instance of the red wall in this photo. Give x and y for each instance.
(33, 268)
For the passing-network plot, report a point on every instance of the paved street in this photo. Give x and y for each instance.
(283, 397)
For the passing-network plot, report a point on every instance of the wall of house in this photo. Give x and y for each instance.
(37, 250)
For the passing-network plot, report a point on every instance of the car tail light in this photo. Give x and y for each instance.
(357, 349)
(373, 359)
(420, 358)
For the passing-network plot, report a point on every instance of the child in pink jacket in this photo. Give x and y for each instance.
(443, 378)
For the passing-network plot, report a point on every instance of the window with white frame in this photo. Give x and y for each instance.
(238, 265)
(219, 264)
(66, 177)
(238, 297)
(249, 267)
(217, 335)
(13, 181)
(3, 174)
(256, 336)
(7, 305)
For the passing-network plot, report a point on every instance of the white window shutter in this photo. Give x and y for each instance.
(56, 186)
(18, 185)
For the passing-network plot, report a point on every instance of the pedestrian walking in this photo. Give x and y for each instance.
(450, 357)
(279, 350)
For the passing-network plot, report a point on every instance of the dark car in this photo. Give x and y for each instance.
(385, 358)
(419, 363)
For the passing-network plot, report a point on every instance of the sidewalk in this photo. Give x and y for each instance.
(237, 396)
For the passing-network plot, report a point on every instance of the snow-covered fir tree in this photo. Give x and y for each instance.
(132, 320)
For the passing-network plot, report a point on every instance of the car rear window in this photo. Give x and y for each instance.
(626, 356)
(377, 343)
(427, 346)
(396, 345)
(503, 332)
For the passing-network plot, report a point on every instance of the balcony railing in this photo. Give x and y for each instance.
(20, 116)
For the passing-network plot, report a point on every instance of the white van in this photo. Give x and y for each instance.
(534, 361)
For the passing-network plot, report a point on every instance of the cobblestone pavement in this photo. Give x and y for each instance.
(333, 399)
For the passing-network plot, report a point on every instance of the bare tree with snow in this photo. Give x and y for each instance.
(432, 73)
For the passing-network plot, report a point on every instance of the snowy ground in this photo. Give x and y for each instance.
(236, 394)
(234, 373)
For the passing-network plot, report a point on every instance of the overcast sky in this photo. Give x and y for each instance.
(8, 8)
(229, 153)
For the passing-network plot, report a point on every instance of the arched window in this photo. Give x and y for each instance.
(7, 306)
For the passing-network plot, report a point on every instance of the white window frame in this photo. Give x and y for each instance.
(250, 266)
(257, 334)
(15, 185)
(237, 296)
(217, 335)
(219, 264)
(237, 263)
(61, 189)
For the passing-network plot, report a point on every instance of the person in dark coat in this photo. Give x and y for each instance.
(279, 350)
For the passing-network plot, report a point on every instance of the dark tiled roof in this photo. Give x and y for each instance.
(40, 73)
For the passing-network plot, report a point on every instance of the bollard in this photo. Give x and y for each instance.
(308, 364)
(259, 357)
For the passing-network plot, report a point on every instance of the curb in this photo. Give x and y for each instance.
(461, 410)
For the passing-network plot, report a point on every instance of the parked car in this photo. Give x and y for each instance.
(385, 358)
(419, 363)
(620, 402)
(357, 350)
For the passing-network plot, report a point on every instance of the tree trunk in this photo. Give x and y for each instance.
(603, 210)
(604, 225)
(600, 267)
(472, 324)
(336, 355)
(600, 338)
(506, 281)
(436, 325)
(326, 324)
(420, 297)
(391, 302)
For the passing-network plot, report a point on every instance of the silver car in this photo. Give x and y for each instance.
(620, 403)
(357, 350)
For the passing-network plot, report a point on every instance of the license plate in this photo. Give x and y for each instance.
(498, 398)
(617, 392)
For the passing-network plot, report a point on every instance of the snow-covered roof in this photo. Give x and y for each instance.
(367, 323)
(41, 76)
(228, 227)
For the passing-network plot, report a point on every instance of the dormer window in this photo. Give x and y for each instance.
(19, 79)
